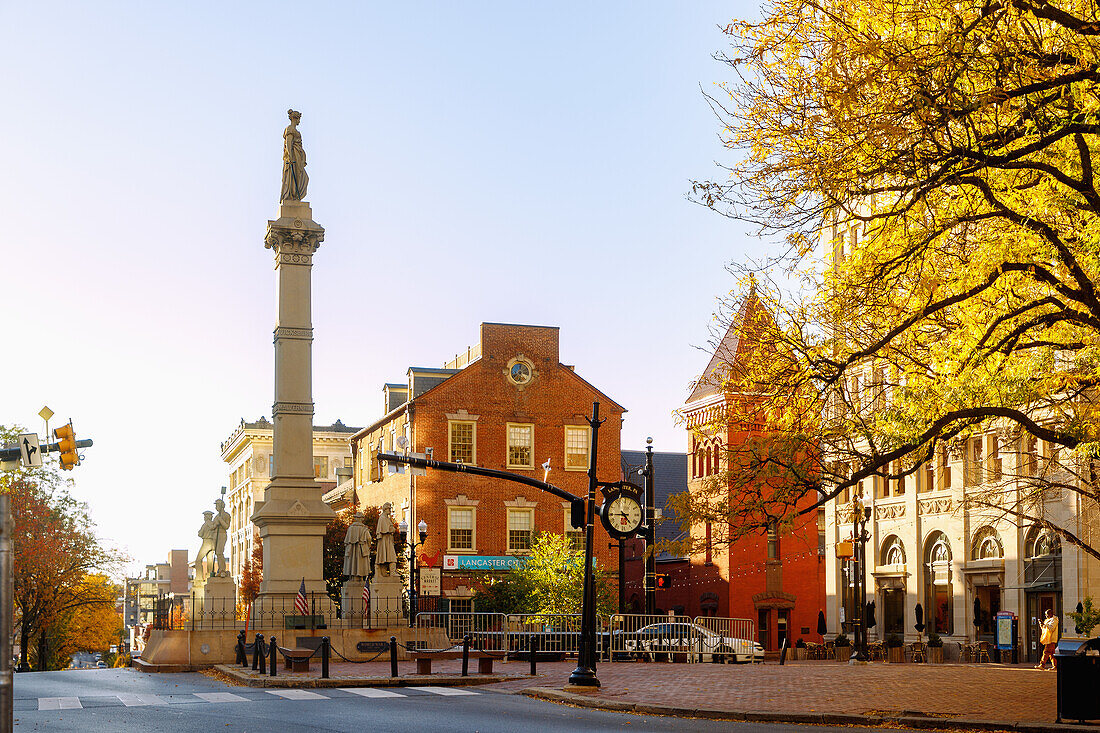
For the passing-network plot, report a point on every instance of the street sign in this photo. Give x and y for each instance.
(419, 471)
(29, 452)
(431, 582)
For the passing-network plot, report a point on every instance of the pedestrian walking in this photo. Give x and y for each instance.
(1048, 639)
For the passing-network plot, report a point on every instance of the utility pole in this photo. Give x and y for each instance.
(585, 673)
(7, 603)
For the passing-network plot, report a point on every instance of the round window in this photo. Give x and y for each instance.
(520, 372)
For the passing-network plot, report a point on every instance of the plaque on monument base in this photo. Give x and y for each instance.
(352, 605)
(387, 601)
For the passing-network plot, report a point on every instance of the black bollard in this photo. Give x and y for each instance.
(257, 650)
(274, 661)
(393, 656)
(242, 657)
(325, 647)
(783, 653)
(263, 656)
(532, 646)
(466, 655)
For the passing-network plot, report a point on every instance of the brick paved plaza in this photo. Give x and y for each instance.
(973, 691)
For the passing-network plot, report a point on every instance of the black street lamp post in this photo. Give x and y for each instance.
(414, 567)
(860, 515)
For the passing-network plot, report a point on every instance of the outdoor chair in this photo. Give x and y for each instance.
(916, 652)
(964, 652)
(981, 652)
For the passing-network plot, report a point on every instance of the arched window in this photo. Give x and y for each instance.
(986, 545)
(1041, 542)
(699, 462)
(717, 458)
(893, 552)
(938, 593)
(708, 462)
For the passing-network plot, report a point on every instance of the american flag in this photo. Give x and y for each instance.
(366, 597)
(301, 605)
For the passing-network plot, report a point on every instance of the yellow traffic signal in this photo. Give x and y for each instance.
(66, 444)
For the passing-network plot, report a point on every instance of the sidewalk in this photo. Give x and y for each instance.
(984, 696)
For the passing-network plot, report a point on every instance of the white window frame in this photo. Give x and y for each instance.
(473, 444)
(587, 431)
(530, 512)
(472, 549)
(508, 445)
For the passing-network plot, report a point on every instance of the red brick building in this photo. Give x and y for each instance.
(775, 579)
(509, 404)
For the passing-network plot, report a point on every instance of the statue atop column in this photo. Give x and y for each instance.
(295, 179)
(357, 549)
(385, 555)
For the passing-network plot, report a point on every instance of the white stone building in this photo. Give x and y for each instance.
(250, 457)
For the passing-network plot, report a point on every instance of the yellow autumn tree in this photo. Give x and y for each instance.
(929, 165)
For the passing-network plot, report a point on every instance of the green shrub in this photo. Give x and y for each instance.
(800, 644)
(894, 641)
(934, 640)
(841, 640)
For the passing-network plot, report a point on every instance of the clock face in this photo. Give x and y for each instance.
(621, 514)
(520, 373)
(625, 513)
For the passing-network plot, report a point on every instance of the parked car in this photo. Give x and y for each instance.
(701, 644)
(101, 664)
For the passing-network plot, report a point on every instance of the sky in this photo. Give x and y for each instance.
(506, 162)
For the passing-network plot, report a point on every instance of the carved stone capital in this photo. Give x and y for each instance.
(294, 246)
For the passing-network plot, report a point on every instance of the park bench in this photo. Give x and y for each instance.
(424, 660)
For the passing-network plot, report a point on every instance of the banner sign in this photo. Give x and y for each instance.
(481, 562)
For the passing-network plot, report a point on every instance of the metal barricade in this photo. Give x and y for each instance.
(558, 634)
(728, 640)
(652, 637)
(488, 631)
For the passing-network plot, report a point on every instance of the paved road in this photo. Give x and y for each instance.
(110, 700)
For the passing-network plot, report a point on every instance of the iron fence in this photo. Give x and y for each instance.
(488, 631)
(555, 634)
(194, 613)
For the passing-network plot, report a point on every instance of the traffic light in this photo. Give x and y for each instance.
(577, 516)
(66, 444)
(663, 581)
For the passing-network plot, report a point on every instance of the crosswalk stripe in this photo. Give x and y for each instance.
(297, 694)
(445, 690)
(220, 697)
(371, 692)
(131, 700)
(59, 703)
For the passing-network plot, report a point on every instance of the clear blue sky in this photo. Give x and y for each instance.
(515, 162)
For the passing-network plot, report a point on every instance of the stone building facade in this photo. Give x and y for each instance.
(249, 454)
(509, 404)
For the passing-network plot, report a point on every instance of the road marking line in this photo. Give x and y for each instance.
(131, 700)
(445, 690)
(371, 692)
(297, 694)
(220, 697)
(59, 703)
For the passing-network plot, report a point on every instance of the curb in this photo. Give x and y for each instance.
(825, 719)
(248, 678)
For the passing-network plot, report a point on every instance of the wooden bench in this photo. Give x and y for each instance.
(296, 660)
(424, 660)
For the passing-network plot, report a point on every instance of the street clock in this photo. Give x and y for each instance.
(621, 513)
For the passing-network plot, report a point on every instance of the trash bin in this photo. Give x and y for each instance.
(1078, 679)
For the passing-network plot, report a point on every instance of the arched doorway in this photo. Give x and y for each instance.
(938, 595)
(1042, 582)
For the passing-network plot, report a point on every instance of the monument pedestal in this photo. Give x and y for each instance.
(352, 607)
(386, 601)
(215, 603)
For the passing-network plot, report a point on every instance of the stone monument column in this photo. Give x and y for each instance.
(292, 518)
